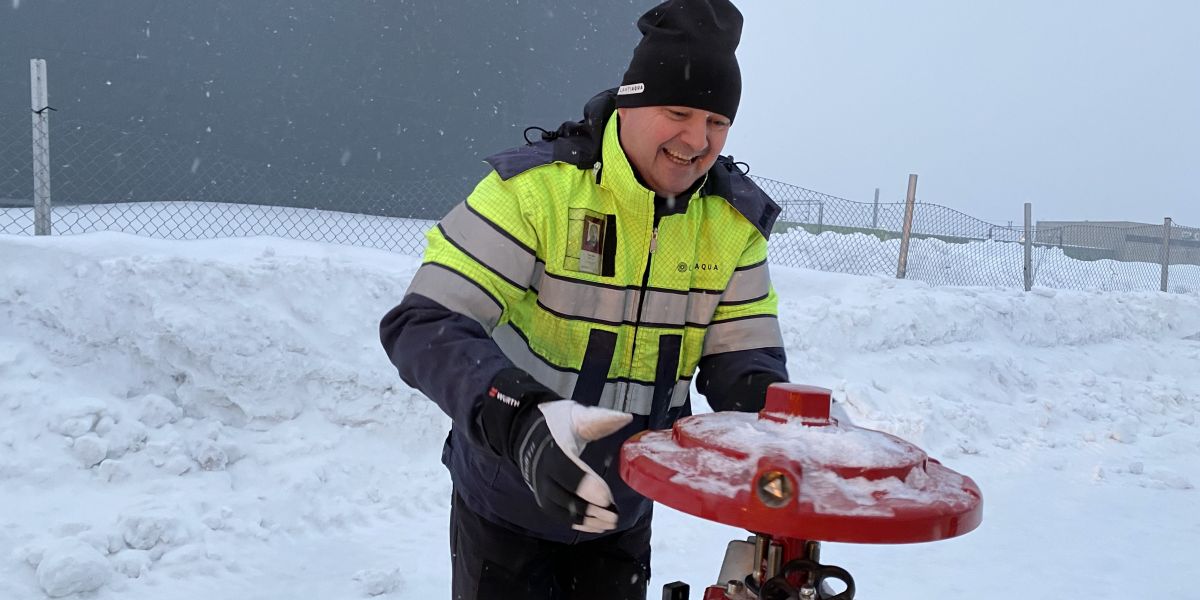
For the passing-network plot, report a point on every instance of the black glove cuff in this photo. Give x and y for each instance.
(504, 407)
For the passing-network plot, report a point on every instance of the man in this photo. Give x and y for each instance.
(567, 304)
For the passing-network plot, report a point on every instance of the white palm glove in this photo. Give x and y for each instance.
(547, 451)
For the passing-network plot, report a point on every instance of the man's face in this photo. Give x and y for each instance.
(672, 146)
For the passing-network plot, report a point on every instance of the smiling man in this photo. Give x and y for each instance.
(671, 147)
(569, 302)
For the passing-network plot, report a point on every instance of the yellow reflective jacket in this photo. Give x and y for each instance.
(573, 271)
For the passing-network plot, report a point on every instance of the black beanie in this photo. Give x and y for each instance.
(686, 58)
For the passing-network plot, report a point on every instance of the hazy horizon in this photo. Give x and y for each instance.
(1087, 110)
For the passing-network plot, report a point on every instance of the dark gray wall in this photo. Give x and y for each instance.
(386, 93)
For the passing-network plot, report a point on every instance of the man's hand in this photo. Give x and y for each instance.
(544, 435)
(547, 449)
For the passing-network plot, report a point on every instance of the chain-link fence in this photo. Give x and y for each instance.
(16, 176)
(105, 179)
(819, 231)
(1121, 258)
(1184, 255)
(824, 232)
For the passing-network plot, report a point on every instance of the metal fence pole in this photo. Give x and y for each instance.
(1028, 246)
(41, 146)
(1166, 252)
(820, 217)
(875, 211)
(909, 204)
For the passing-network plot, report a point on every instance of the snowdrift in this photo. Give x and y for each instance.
(198, 419)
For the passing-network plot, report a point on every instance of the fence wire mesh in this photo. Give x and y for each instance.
(109, 180)
(1184, 259)
(16, 177)
(1122, 258)
(105, 179)
(819, 231)
(1098, 247)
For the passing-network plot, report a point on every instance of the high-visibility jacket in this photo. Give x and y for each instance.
(562, 264)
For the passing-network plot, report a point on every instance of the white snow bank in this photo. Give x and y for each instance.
(217, 418)
(70, 566)
(195, 409)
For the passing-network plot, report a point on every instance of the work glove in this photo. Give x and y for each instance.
(544, 436)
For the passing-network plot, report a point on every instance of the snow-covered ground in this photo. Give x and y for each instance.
(186, 420)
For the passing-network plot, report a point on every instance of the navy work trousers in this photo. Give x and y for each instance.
(495, 563)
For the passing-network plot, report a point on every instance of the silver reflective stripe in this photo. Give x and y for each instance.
(514, 347)
(539, 273)
(680, 394)
(613, 396)
(749, 284)
(625, 396)
(637, 398)
(742, 334)
(640, 398)
(457, 293)
(701, 307)
(664, 308)
(580, 301)
(486, 244)
(633, 298)
(609, 305)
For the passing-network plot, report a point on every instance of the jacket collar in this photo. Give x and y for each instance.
(616, 173)
(595, 140)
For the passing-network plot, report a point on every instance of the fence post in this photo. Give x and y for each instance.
(820, 217)
(1028, 246)
(875, 211)
(39, 100)
(909, 204)
(1166, 252)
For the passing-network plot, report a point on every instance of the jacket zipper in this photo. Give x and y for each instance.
(641, 302)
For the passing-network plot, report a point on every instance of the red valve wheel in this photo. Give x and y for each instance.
(792, 470)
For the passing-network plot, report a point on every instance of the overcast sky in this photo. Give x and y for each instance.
(1089, 110)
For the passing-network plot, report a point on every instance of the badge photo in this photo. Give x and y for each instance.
(591, 245)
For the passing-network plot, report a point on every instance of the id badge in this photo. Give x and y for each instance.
(585, 241)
